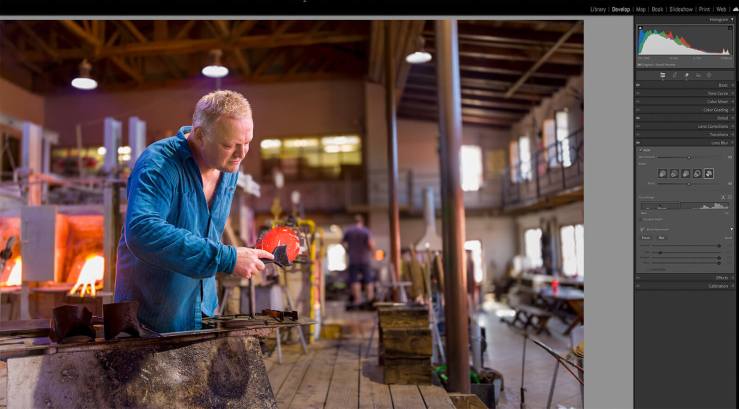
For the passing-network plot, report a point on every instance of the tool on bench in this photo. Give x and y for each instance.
(284, 242)
(280, 315)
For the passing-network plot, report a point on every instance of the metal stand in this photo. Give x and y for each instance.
(300, 330)
(561, 361)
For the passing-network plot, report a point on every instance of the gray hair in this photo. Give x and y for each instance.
(219, 103)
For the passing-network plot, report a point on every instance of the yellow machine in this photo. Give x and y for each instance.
(309, 261)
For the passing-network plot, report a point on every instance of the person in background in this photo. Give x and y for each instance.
(359, 246)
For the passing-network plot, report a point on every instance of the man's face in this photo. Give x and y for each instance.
(226, 143)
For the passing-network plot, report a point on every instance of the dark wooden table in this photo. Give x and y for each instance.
(559, 301)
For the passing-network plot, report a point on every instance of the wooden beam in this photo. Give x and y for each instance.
(19, 55)
(575, 27)
(548, 84)
(493, 85)
(38, 41)
(517, 68)
(227, 34)
(432, 116)
(527, 53)
(478, 32)
(242, 61)
(267, 61)
(298, 61)
(80, 32)
(283, 27)
(112, 39)
(95, 42)
(375, 53)
(200, 45)
(161, 30)
(188, 82)
(414, 31)
(185, 30)
(483, 113)
(132, 72)
(243, 28)
(470, 102)
(477, 94)
(135, 32)
(222, 27)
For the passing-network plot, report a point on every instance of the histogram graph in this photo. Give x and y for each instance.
(715, 40)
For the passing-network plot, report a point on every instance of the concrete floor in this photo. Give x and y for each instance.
(504, 353)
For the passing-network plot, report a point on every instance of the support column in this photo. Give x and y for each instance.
(136, 138)
(453, 219)
(392, 153)
(111, 203)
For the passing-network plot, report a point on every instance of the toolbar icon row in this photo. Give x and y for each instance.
(697, 173)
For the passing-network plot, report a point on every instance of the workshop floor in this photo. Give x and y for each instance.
(343, 373)
(504, 353)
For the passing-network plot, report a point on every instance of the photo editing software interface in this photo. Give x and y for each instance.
(684, 210)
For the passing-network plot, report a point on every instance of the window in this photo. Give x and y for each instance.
(532, 247)
(475, 246)
(550, 141)
(573, 250)
(513, 159)
(563, 140)
(336, 255)
(312, 158)
(524, 152)
(471, 167)
(66, 161)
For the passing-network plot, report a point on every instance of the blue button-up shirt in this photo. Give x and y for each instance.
(170, 248)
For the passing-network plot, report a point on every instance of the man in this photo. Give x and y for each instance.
(179, 196)
(359, 245)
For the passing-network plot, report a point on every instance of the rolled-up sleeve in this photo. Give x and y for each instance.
(152, 239)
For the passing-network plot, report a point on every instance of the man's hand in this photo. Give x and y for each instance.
(248, 261)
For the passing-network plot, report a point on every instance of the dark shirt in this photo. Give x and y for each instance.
(357, 240)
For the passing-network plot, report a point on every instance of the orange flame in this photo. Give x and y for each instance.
(14, 278)
(90, 275)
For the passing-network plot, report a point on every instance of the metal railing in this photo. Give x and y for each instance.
(552, 170)
(557, 168)
(315, 196)
(412, 185)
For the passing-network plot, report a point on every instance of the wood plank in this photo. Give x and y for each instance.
(373, 394)
(411, 342)
(279, 372)
(407, 397)
(312, 390)
(466, 401)
(435, 397)
(293, 380)
(403, 317)
(343, 392)
(406, 371)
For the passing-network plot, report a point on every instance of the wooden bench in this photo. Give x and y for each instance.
(530, 316)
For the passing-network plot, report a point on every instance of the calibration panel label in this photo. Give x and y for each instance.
(684, 137)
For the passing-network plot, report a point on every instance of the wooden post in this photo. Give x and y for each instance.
(453, 219)
(392, 154)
